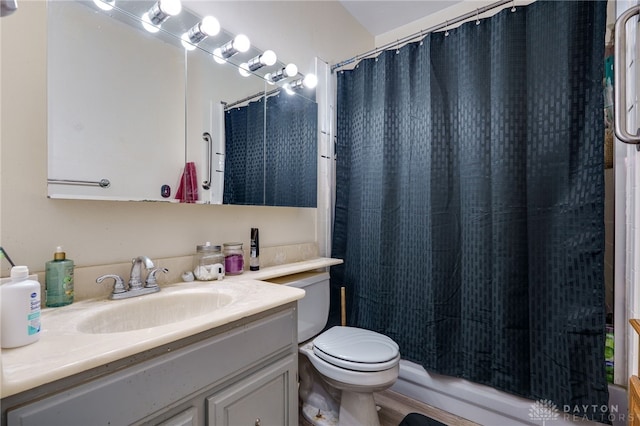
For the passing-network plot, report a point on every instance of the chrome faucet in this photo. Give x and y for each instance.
(136, 287)
(135, 279)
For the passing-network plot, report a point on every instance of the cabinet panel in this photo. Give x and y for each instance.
(262, 399)
(145, 389)
(188, 417)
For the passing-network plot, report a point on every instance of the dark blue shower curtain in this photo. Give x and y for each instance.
(292, 127)
(268, 159)
(244, 155)
(469, 206)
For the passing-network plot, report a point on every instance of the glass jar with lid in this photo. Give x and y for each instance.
(208, 262)
(233, 258)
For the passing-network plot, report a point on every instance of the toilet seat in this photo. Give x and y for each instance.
(356, 349)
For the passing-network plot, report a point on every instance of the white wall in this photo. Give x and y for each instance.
(103, 232)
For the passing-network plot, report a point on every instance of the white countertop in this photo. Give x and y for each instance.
(291, 268)
(62, 350)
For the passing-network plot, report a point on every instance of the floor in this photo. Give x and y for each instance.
(394, 406)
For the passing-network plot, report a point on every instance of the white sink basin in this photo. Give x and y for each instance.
(152, 311)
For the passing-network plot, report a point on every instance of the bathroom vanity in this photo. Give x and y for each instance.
(236, 364)
(241, 373)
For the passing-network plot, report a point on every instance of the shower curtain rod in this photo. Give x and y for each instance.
(248, 98)
(422, 33)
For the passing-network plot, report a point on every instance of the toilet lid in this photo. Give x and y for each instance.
(356, 349)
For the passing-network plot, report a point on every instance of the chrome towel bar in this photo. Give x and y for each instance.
(102, 183)
(207, 138)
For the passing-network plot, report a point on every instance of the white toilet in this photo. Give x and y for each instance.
(342, 367)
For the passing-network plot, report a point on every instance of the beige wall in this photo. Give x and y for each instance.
(436, 19)
(103, 232)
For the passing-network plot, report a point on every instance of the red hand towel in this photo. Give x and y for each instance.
(188, 188)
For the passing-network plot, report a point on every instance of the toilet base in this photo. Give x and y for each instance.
(357, 409)
(319, 417)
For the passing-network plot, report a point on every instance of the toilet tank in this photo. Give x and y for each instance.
(313, 308)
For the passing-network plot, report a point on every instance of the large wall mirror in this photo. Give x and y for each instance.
(134, 115)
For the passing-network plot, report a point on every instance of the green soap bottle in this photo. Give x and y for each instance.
(59, 280)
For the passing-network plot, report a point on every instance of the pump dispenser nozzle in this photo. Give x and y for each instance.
(59, 254)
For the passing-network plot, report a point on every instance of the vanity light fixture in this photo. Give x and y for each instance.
(105, 5)
(217, 56)
(208, 27)
(288, 71)
(239, 44)
(287, 88)
(266, 59)
(309, 81)
(160, 12)
(244, 70)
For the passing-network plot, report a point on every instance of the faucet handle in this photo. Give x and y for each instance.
(151, 278)
(118, 284)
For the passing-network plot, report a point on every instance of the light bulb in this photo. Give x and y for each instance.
(105, 5)
(268, 58)
(170, 7)
(269, 78)
(243, 69)
(310, 81)
(147, 25)
(186, 42)
(288, 71)
(210, 26)
(291, 70)
(160, 12)
(217, 56)
(241, 43)
(287, 88)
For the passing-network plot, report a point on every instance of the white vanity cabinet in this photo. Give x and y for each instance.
(243, 373)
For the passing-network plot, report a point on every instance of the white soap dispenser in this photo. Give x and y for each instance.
(20, 310)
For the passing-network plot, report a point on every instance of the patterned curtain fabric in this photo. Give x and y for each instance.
(268, 162)
(244, 155)
(469, 208)
(292, 151)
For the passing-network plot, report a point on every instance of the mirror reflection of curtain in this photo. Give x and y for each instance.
(244, 155)
(469, 208)
(291, 151)
(276, 168)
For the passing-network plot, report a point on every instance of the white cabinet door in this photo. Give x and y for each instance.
(262, 399)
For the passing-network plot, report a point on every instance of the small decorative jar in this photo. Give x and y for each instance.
(233, 258)
(208, 263)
